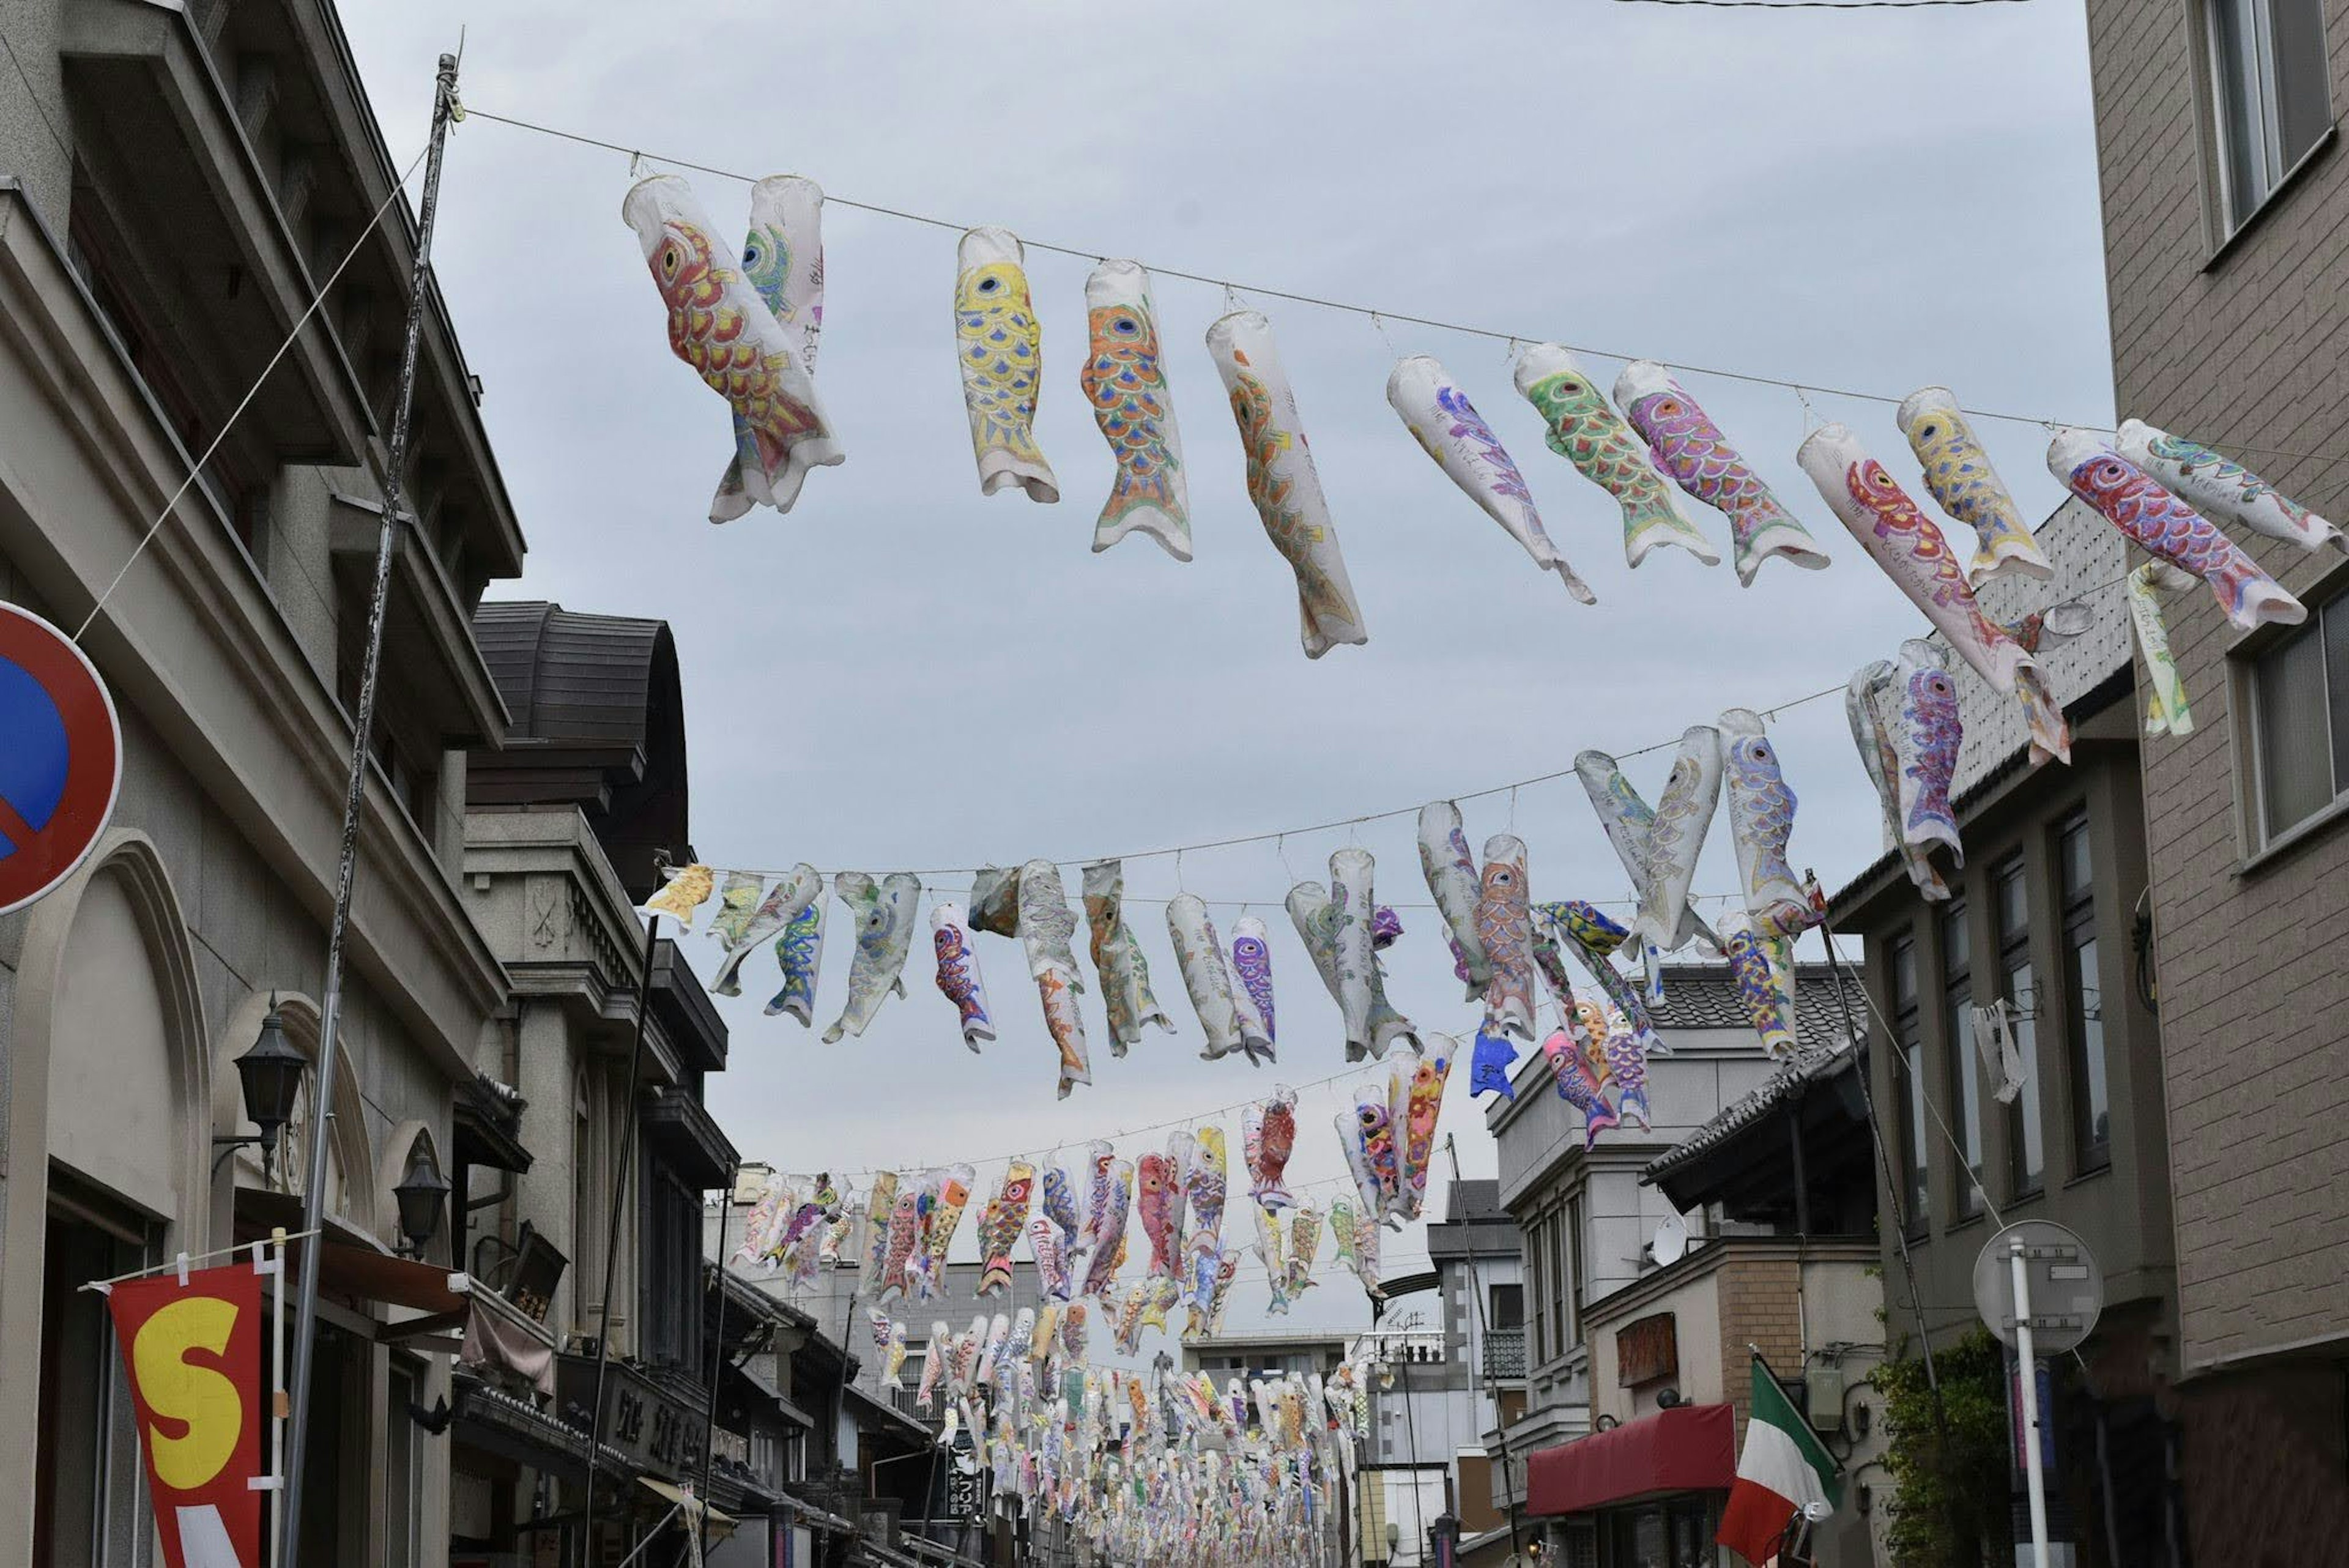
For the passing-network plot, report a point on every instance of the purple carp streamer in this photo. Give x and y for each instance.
(1587, 432)
(1685, 443)
(958, 978)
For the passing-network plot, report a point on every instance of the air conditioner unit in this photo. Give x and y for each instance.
(1823, 1394)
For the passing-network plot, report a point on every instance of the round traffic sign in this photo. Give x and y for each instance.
(2066, 1285)
(60, 757)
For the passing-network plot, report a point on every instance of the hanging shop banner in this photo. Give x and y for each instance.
(63, 759)
(193, 1353)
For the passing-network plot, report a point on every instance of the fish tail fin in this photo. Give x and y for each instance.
(1651, 518)
(1775, 534)
(1147, 504)
(2252, 599)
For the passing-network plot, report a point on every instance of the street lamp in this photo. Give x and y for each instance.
(420, 1193)
(269, 1076)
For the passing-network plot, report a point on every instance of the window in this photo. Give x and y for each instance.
(1574, 1270)
(2026, 1140)
(1506, 1308)
(2267, 71)
(1965, 1080)
(1537, 1255)
(1907, 1054)
(403, 1495)
(2084, 1015)
(672, 1274)
(2300, 723)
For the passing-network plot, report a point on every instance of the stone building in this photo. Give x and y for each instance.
(2226, 201)
(176, 183)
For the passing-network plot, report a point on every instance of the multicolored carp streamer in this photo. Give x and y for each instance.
(1627, 1067)
(999, 344)
(1926, 745)
(1764, 968)
(1001, 1224)
(687, 888)
(1373, 1113)
(1182, 1155)
(1282, 481)
(1268, 1136)
(1913, 553)
(1631, 827)
(1505, 931)
(720, 326)
(1124, 379)
(782, 257)
(1579, 1086)
(1340, 934)
(1206, 1185)
(1356, 1234)
(1488, 1069)
(1251, 968)
(1958, 474)
(1270, 1252)
(1666, 920)
(1157, 1184)
(872, 1244)
(936, 1355)
(1033, 905)
(1761, 821)
(1304, 1249)
(936, 1227)
(884, 937)
(800, 952)
(1449, 430)
(1118, 959)
(1415, 1080)
(1107, 1225)
(2166, 709)
(1685, 443)
(1049, 1247)
(1453, 882)
(1206, 975)
(738, 900)
(1870, 701)
(892, 1350)
(784, 900)
(1584, 430)
(958, 978)
(2135, 503)
(2222, 489)
(1569, 922)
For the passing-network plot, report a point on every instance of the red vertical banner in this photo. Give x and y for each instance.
(194, 1354)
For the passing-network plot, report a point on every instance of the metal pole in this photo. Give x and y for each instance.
(717, 1352)
(622, 1169)
(305, 1333)
(2027, 1352)
(1485, 1338)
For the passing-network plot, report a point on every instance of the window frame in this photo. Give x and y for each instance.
(2076, 918)
(1964, 1079)
(2014, 949)
(2262, 841)
(2236, 211)
(1907, 1048)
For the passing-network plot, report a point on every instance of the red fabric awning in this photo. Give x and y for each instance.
(1690, 1448)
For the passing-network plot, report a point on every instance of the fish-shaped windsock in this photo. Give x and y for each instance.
(1372, 1112)
(2135, 503)
(1666, 920)
(1304, 1250)
(1913, 553)
(1001, 1224)
(1449, 428)
(2166, 709)
(1125, 1331)
(2058, 623)
(1926, 746)
(1109, 1230)
(1627, 1066)
(1567, 922)
(1505, 931)
(944, 1218)
(1124, 379)
(1101, 1164)
(784, 900)
(1958, 473)
(959, 977)
(720, 327)
(1060, 1203)
(738, 902)
(1202, 1265)
(1251, 968)
(962, 1374)
(1870, 702)
(1118, 958)
(1049, 1248)
(1181, 1153)
(1044, 1337)
(1584, 429)
(1282, 482)
(1453, 882)
(1268, 1135)
(799, 952)
(892, 1357)
(1488, 1069)
(904, 1218)
(783, 259)
(990, 1352)
(873, 1246)
(1275, 1258)
(1073, 1324)
(687, 888)
(935, 1357)
(1206, 1185)
(1630, 824)
(1154, 1179)
(1579, 1086)
(1761, 820)
(1415, 1097)
(999, 344)
(1207, 974)
(1315, 914)
(1685, 443)
(2222, 489)
(1764, 968)
(884, 937)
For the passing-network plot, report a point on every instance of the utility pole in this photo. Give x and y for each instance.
(305, 1332)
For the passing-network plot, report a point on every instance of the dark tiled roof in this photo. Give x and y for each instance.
(1704, 996)
(1809, 1063)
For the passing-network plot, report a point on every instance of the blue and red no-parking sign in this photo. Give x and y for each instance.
(60, 757)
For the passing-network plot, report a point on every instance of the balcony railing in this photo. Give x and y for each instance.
(1505, 1352)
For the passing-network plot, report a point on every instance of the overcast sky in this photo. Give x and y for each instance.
(902, 673)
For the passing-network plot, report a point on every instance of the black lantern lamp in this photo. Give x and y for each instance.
(421, 1192)
(270, 1075)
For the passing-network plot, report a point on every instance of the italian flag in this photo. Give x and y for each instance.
(1783, 1467)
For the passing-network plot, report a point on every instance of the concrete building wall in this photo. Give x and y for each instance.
(2237, 342)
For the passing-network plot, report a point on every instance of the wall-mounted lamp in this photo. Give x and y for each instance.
(421, 1193)
(269, 1077)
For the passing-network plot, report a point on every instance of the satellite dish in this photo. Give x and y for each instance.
(1671, 1242)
